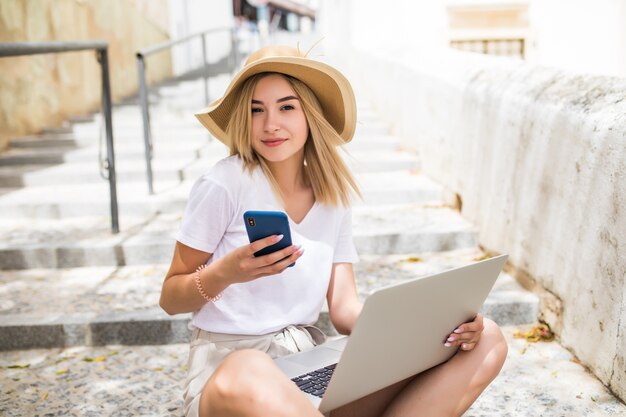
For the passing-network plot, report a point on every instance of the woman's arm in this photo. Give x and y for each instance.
(343, 302)
(179, 293)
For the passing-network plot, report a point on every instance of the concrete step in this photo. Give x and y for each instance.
(87, 241)
(135, 155)
(372, 127)
(90, 134)
(366, 141)
(59, 148)
(407, 228)
(146, 381)
(87, 174)
(172, 160)
(86, 193)
(383, 160)
(169, 163)
(135, 152)
(358, 161)
(108, 304)
(41, 141)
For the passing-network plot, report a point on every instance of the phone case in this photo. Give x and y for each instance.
(260, 224)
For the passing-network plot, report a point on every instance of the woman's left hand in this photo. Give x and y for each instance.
(467, 334)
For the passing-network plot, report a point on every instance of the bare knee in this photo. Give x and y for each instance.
(495, 350)
(236, 386)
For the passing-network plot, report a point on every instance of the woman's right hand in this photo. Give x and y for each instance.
(241, 265)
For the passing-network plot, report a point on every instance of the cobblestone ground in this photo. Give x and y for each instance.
(538, 379)
(94, 381)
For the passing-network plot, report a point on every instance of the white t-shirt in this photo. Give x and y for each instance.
(213, 222)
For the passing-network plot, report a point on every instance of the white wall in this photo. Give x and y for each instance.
(538, 157)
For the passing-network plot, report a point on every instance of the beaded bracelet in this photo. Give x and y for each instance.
(201, 290)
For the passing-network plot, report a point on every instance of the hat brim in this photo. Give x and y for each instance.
(330, 87)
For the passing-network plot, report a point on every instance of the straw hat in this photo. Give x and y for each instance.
(330, 87)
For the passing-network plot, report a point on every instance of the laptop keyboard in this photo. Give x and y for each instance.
(315, 382)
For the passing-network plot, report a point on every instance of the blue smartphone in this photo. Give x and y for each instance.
(260, 224)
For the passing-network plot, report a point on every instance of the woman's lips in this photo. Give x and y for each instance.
(273, 142)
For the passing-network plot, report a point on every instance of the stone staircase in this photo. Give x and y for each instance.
(71, 289)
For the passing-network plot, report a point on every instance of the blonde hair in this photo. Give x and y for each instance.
(324, 169)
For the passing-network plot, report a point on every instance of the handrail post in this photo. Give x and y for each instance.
(205, 69)
(145, 113)
(101, 48)
(143, 89)
(103, 58)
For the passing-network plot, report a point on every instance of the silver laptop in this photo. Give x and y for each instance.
(400, 332)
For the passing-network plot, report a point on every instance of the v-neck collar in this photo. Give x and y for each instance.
(278, 204)
(306, 216)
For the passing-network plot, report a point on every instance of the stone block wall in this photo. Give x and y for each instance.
(40, 91)
(538, 158)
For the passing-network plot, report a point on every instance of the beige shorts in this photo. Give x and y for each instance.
(207, 350)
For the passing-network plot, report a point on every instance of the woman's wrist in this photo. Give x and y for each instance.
(209, 282)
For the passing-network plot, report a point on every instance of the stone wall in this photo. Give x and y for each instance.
(40, 91)
(538, 158)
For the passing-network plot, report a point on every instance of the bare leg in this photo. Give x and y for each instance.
(372, 405)
(248, 383)
(452, 387)
(446, 390)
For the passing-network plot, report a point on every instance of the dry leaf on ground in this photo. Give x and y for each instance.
(540, 332)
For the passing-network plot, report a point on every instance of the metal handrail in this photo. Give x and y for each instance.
(102, 55)
(143, 86)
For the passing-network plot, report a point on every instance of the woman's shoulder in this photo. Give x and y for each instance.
(228, 173)
(227, 166)
(224, 171)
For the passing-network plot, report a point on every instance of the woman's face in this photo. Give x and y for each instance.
(279, 127)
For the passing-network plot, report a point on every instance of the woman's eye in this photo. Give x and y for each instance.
(287, 107)
(256, 110)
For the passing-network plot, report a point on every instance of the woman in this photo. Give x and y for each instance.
(283, 117)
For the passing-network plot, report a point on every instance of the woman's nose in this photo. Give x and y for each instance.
(271, 122)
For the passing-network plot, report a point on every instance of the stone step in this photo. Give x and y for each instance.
(90, 136)
(378, 142)
(189, 149)
(88, 174)
(406, 228)
(40, 141)
(86, 193)
(87, 241)
(57, 148)
(43, 166)
(130, 166)
(108, 304)
(358, 161)
(37, 165)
